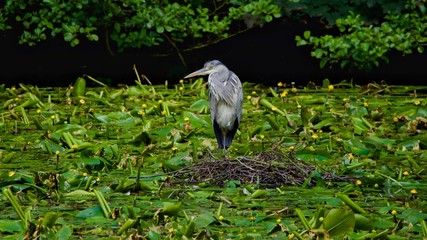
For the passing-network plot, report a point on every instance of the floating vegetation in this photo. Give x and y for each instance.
(337, 161)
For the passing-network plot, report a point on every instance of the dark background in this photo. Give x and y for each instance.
(264, 55)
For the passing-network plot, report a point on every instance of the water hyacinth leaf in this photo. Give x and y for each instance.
(195, 120)
(375, 140)
(316, 154)
(162, 131)
(350, 203)
(190, 228)
(356, 146)
(338, 222)
(413, 216)
(259, 193)
(91, 212)
(171, 208)
(126, 226)
(153, 234)
(49, 219)
(11, 226)
(203, 220)
(201, 106)
(360, 125)
(383, 223)
(362, 222)
(409, 145)
(177, 161)
(7, 157)
(79, 88)
(324, 123)
(102, 118)
(64, 233)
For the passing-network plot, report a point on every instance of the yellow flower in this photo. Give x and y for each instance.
(294, 90)
(144, 105)
(284, 93)
(186, 119)
(74, 146)
(181, 81)
(53, 116)
(262, 136)
(164, 112)
(57, 152)
(249, 97)
(330, 87)
(220, 218)
(82, 101)
(291, 147)
(365, 104)
(252, 218)
(280, 84)
(406, 173)
(417, 102)
(160, 101)
(140, 112)
(358, 182)
(395, 119)
(314, 136)
(174, 148)
(39, 110)
(98, 179)
(253, 93)
(181, 89)
(393, 212)
(350, 156)
(84, 174)
(278, 220)
(11, 173)
(414, 191)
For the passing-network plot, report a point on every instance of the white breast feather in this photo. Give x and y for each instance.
(225, 115)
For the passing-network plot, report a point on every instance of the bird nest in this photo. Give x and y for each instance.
(267, 168)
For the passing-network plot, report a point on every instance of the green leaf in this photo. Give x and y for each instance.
(339, 222)
(307, 34)
(64, 233)
(11, 226)
(92, 212)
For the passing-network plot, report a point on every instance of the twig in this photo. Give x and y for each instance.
(143, 75)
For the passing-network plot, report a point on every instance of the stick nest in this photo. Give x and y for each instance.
(267, 168)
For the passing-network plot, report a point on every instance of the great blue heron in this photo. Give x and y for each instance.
(225, 99)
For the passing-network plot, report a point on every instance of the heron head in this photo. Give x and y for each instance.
(208, 68)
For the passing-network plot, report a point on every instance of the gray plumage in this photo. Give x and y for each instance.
(225, 99)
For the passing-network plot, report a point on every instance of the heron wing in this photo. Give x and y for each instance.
(237, 86)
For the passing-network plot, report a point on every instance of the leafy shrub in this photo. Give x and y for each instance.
(129, 23)
(364, 46)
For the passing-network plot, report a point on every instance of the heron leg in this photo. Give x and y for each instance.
(219, 135)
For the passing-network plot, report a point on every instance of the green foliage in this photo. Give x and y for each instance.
(365, 46)
(331, 10)
(130, 23)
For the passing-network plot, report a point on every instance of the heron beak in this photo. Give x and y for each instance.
(199, 72)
